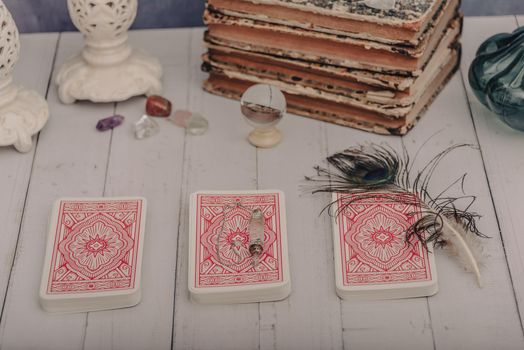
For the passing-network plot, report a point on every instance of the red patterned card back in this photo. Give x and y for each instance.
(222, 256)
(373, 245)
(96, 246)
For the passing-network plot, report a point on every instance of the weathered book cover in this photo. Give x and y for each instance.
(406, 22)
(287, 41)
(342, 113)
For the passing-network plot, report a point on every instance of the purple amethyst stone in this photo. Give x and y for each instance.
(109, 123)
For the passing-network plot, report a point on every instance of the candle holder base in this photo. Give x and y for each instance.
(265, 138)
(22, 117)
(139, 74)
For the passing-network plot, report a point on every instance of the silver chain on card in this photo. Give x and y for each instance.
(256, 228)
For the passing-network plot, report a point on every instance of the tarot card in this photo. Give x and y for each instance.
(373, 258)
(222, 269)
(94, 254)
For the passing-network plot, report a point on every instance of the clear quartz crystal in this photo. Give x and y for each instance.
(256, 235)
(197, 125)
(381, 4)
(146, 127)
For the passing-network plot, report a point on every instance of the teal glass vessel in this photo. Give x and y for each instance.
(497, 76)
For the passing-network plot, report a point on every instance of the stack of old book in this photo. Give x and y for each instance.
(375, 65)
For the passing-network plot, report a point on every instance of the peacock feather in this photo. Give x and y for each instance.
(367, 169)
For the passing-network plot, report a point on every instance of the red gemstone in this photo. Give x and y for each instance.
(158, 106)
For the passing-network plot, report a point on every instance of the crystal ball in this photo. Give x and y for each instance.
(263, 105)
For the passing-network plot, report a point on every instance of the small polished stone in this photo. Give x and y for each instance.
(197, 125)
(181, 117)
(146, 127)
(109, 123)
(158, 106)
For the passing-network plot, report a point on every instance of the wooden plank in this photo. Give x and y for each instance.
(70, 160)
(310, 318)
(463, 315)
(502, 152)
(379, 324)
(220, 160)
(16, 167)
(156, 168)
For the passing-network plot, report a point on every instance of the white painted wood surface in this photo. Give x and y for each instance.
(503, 153)
(15, 170)
(73, 159)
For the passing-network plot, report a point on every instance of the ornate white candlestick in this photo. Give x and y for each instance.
(108, 69)
(23, 112)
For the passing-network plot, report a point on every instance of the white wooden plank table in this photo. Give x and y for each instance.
(72, 159)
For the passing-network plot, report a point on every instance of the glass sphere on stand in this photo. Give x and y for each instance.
(264, 106)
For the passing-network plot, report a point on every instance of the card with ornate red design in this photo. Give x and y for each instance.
(221, 267)
(373, 258)
(94, 254)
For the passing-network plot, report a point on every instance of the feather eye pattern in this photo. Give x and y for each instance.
(365, 169)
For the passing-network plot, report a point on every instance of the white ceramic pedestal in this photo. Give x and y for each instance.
(265, 138)
(23, 112)
(108, 69)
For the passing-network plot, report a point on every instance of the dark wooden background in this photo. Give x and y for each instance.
(51, 15)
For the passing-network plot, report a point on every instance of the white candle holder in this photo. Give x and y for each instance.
(108, 69)
(23, 112)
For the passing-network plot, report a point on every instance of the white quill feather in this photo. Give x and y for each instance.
(463, 245)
